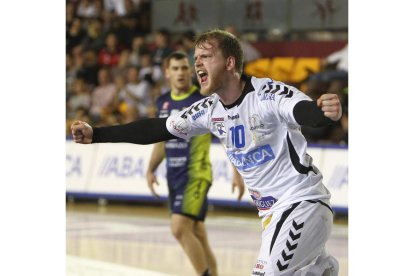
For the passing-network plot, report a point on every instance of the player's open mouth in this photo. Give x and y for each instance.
(203, 76)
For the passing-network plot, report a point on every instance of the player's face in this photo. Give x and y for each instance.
(178, 73)
(210, 67)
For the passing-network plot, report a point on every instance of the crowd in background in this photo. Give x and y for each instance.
(114, 66)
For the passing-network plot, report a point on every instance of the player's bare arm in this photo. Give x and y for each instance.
(157, 155)
(237, 183)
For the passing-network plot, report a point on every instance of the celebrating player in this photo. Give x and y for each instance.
(258, 122)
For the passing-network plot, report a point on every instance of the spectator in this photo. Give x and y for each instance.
(138, 47)
(74, 35)
(162, 46)
(148, 71)
(136, 92)
(79, 98)
(89, 8)
(95, 35)
(109, 55)
(90, 67)
(103, 97)
(185, 44)
(121, 68)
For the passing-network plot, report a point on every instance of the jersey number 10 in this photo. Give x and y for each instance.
(237, 136)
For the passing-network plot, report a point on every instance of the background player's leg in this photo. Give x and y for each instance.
(183, 230)
(201, 233)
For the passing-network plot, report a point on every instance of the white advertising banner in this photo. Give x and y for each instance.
(79, 159)
(334, 168)
(119, 169)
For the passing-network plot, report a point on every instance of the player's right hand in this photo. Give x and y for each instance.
(151, 180)
(81, 132)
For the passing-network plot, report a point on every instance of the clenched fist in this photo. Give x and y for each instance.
(331, 106)
(81, 132)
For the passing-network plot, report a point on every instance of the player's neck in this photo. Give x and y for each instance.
(232, 91)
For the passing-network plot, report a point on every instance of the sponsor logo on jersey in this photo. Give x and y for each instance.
(262, 202)
(253, 158)
(198, 114)
(197, 107)
(259, 267)
(234, 117)
(255, 122)
(220, 128)
(180, 126)
(219, 119)
(270, 89)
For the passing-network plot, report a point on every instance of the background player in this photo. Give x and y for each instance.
(189, 172)
(258, 122)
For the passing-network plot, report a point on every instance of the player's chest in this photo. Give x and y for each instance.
(240, 130)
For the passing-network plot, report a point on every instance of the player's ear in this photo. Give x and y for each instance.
(230, 63)
(167, 73)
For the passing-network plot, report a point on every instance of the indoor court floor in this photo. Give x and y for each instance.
(125, 240)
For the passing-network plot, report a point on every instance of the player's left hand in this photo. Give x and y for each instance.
(331, 106)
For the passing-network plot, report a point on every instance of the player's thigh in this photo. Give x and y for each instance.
(293, 238)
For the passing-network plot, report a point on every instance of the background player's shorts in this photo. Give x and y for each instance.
(190, 199)
(293, 241)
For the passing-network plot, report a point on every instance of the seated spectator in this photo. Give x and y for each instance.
(103, 100)
(109, 55)
(89, 8)
(136, 92)
(89, 67)
(148, 71)
(79, 97)
(162, 46)
(121, 69)
(74, 35)
(95, 35)
(138, 47)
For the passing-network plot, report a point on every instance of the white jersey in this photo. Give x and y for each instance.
(262, 140)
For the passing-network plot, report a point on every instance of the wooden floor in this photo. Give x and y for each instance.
(126, 240)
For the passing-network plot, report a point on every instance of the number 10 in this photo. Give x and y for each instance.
(237, 136)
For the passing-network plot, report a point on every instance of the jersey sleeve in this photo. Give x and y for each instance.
(281, 99)
(191, 121)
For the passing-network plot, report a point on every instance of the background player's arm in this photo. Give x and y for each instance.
(237, 183)
(157, 155)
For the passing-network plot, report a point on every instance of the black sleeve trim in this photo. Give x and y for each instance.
(145, 131)
(307, 113)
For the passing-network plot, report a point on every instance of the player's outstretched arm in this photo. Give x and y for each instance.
(145, 131)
